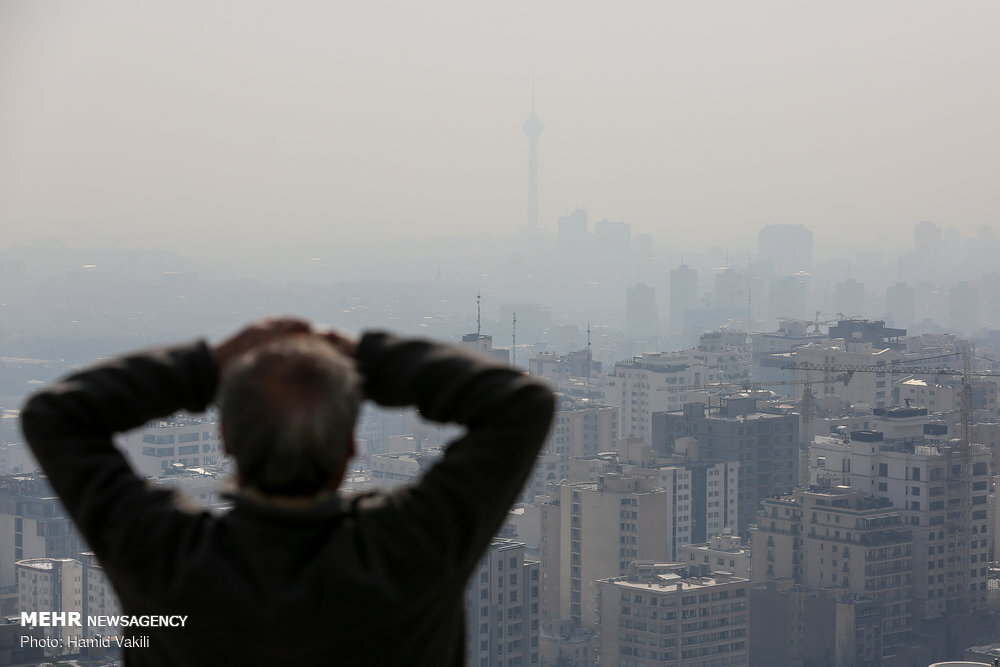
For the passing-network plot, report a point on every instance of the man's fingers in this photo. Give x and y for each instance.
(343, 344)
(259, 333)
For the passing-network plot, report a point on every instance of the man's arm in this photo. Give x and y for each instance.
(461, 502)
(70, 426)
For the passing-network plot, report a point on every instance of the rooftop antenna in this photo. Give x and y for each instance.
(590, 360)
(479, 320)
(750, 331)
(513, 342)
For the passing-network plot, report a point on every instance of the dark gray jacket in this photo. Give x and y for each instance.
(375, 579)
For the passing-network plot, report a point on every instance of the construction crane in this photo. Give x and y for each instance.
(748, 385)
(958, 456)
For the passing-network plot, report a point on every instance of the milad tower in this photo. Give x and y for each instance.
(533, 128)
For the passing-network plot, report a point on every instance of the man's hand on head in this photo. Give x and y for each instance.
(256, 334)
(343, 344)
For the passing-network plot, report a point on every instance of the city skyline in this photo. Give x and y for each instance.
(260, 129)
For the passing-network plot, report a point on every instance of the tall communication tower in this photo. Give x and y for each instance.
(533, 128)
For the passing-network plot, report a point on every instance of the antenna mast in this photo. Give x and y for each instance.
(479, 321)
(750, 330)
(590, 361)
(513, 341)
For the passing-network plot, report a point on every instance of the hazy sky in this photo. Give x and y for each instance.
(167, 124)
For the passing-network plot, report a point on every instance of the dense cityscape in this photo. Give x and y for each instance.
(751, 249)
(716, 489)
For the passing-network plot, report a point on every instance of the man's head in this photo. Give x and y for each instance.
(288, 414)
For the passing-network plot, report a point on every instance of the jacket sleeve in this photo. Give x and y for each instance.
(452, 512)
(70, 426)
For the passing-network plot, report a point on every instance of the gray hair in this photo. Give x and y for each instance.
(288, 414)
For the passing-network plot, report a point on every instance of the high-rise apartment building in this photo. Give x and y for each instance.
(184, 440)
(874, 389)
(33, 524)
(710, 490)
(579, 429)
(673, 615)
(940, 489)
(764, 445)
(502, 607)
(99, 597)
(815, 626)
(653, 383)
(594, 530)
(52, 585)
(842, 538)
(722, 553)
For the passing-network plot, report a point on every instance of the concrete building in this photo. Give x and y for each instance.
(594, 530)
(391, 470)
(874, 389)
(502, 607)
(483, 344)
(710, 499)
(581, 429)
(921, 475)
(201, 486)
(764, 445)
(33, 524)
(16, 459)
(53, 585)
(653, 383)
(944, 394)
(722, 553)
(579, 364)
(99, 598)
(563, 645)
(673, 615)
(874, 332)
(842, 538)
(772, 350)
(181, 439)
(810, 626)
